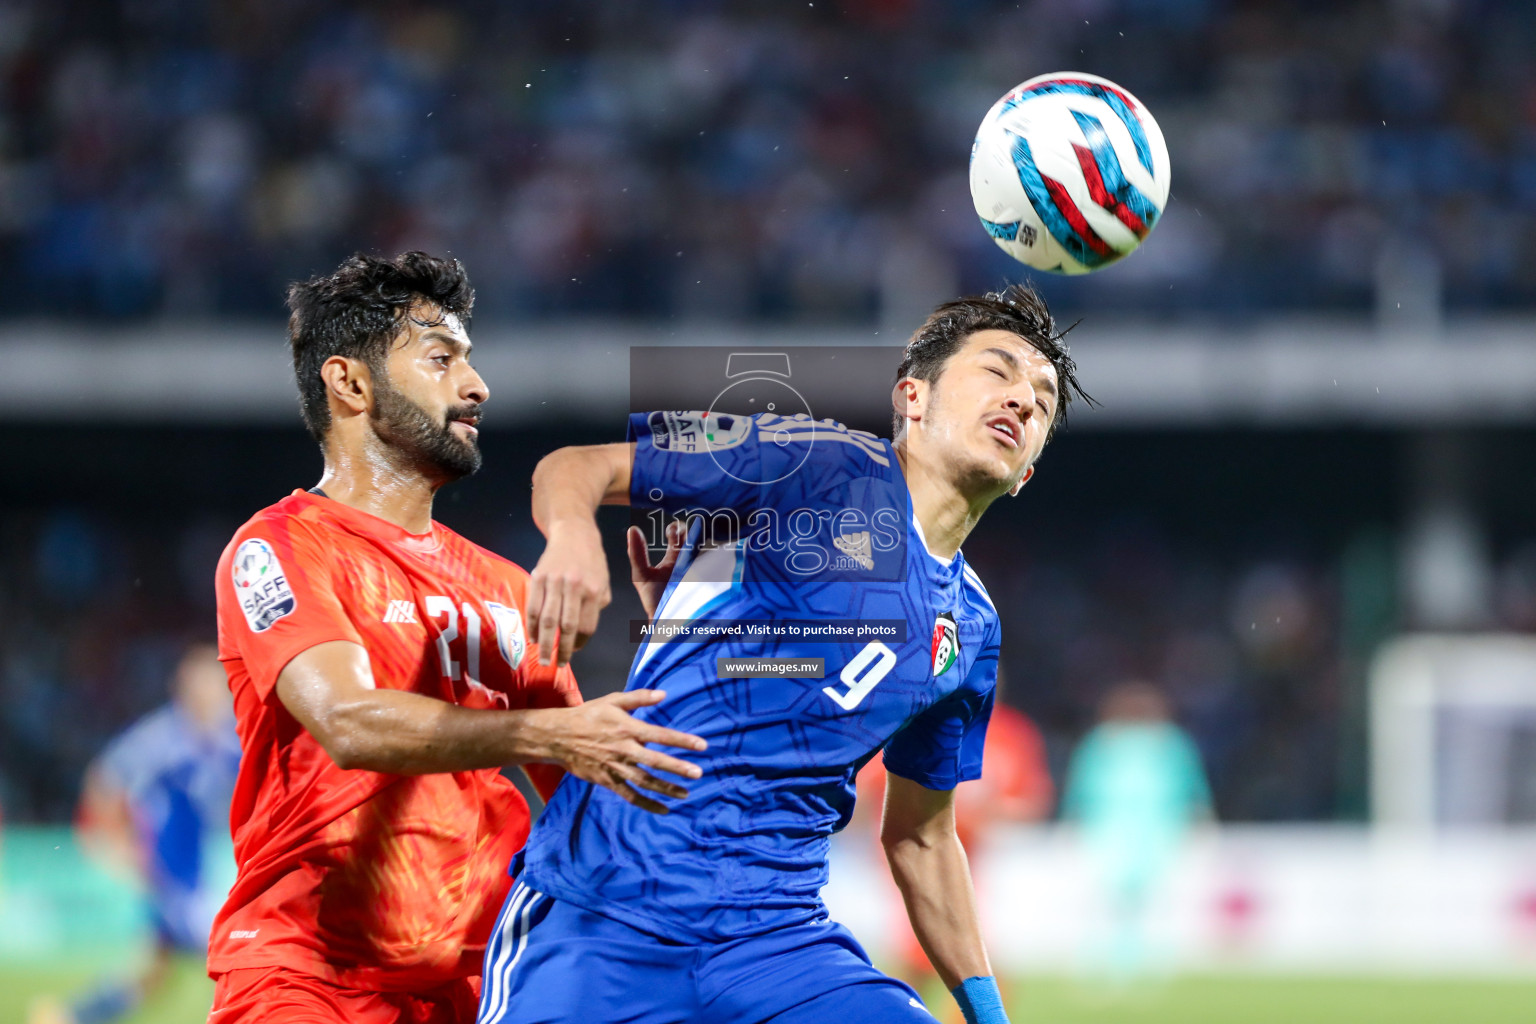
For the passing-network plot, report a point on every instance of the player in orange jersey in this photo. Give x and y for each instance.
(381, 677)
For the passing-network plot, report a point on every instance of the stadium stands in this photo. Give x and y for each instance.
(736, 160)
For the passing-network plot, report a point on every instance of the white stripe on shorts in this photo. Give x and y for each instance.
(494, 950)
(517, 932)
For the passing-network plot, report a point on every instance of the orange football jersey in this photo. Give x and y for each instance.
(362, 879)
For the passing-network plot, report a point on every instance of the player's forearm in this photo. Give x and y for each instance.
(934, 877)
(570, 483)
(410, 734)
(329, 689)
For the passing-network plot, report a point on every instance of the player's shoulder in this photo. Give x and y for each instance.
(285, 533)
(826, 461)
(975, 587)
(976, 592)
(153, 727)
(297, 505)
(156, 737)
(837, 441)
(281, 517)
(484, 558)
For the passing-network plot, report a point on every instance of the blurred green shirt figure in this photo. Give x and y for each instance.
(1135, 786)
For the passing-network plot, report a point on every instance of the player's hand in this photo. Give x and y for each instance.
(601, 742)
(651, 580)
(566, 591)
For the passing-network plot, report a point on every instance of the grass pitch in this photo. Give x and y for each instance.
(1200, 999)
(184, 999)
(1246, 999)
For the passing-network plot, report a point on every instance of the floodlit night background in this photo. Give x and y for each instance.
(1304, 509)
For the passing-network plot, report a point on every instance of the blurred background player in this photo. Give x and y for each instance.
(156, 802)
(1135, 786)
(382, 677)
(1015, 788)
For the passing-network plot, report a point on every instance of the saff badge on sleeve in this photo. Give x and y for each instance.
(261, 586)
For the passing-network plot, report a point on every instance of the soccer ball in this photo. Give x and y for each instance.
(1069, 173)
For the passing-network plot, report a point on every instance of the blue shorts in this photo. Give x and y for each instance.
(551, 962)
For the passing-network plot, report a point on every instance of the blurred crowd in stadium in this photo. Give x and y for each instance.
(693, 158)
(93, 612)
(175, 158)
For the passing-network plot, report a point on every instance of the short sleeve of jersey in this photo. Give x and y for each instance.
(943, 746)
(544, 685)
(701, 460)
(277, 599)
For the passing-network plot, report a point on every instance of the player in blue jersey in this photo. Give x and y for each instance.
(712, 912)
(157, 800)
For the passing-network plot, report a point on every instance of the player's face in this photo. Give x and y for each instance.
(202, 689)
(428, 403)
(990, 409)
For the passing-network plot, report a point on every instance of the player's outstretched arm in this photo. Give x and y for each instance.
(931, 870)
(568, 587)
(329, 688)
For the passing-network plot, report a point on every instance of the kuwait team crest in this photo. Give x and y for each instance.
(946, 643)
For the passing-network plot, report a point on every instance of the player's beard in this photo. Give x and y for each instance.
(429, 444)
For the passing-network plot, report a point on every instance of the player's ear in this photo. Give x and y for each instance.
(909, 398)
(1013, 492)
(348, 382)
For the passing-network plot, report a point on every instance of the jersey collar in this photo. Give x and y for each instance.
(360, 522)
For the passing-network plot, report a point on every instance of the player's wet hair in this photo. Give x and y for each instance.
(359, 310)
(1017, 309)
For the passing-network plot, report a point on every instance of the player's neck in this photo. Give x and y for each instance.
(375, 483)
(945, 513)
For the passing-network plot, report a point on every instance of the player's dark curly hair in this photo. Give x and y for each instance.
(1017, 309)
(359, 310)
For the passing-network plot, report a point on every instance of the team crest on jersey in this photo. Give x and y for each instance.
(261, 586)
(946, 643)
(509, 632)
(694, 432)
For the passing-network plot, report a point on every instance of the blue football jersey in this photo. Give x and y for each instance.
(823, 534)
(179, 782)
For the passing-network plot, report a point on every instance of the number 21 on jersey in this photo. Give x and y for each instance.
(445, 615)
